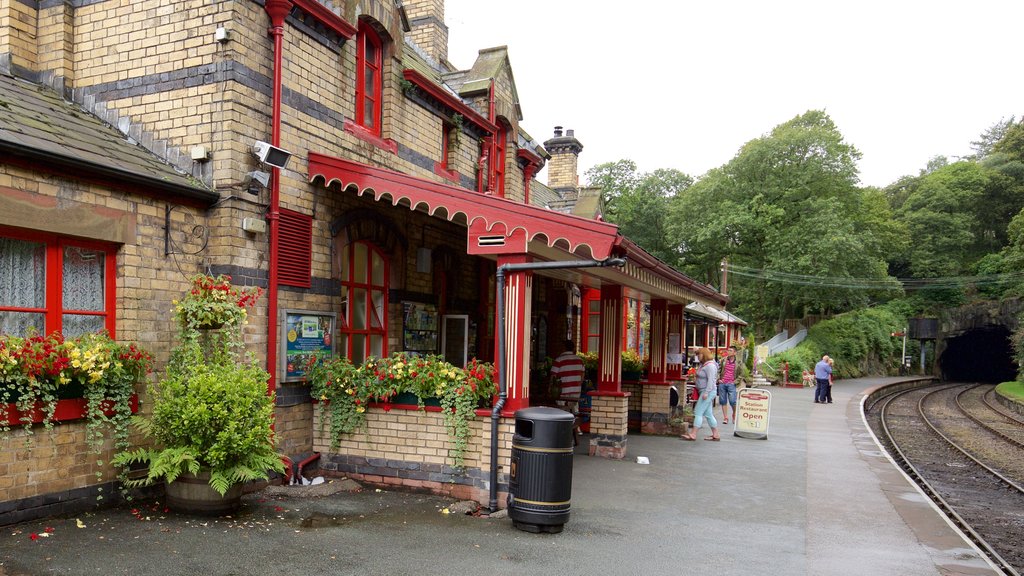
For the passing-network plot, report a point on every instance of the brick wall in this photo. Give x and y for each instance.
(48, 473)
(608, 426)
(410, 448)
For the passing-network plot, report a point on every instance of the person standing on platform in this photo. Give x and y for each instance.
(568, 370)
(822, 374)
(727, 385)
(707, 381)
(831, 376)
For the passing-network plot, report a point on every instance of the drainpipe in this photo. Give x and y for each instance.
(278, 10)
(502, 376)
(494, 140)
(309, 460)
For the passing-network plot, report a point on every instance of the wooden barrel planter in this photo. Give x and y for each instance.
(192, 494)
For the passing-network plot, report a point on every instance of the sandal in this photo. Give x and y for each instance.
(713, 439)
(687, 438)
(725, 420)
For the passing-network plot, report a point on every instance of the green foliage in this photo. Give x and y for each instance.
(345, 391)
(860, 342)
(638, 203)
(800, 358)
(632, 362)
(211, 411)
(36, 371)
(788, 204)
(1013, 390)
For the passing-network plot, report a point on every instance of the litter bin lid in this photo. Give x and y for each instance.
(544, 414)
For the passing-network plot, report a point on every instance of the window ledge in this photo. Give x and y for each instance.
(450, 175)
(365, 135)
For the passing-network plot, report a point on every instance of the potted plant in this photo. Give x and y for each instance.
(681, 420)
(212, 416)
(213, 303)
(632, 365)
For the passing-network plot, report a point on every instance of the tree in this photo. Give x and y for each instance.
(638, 203)
(788, 206)
(987, 140)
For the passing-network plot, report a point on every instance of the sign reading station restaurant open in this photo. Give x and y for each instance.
(753, 408)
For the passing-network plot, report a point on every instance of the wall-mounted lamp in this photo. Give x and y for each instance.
(270, 154)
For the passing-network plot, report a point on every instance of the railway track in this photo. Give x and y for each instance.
(967, 455)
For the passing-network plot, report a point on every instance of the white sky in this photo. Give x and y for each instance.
(685, 83)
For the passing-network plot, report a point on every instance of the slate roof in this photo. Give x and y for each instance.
(37, 125)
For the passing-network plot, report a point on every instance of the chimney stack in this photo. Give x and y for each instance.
(429, 32)
(563, 165)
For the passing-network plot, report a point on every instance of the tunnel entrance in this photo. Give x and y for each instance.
(979, 355)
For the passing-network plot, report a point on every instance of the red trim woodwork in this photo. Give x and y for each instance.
(676, 326)
(609, 361)
(657, 363)
(367, 136)
(498, 217)
(349, 287)
(591, 320)
(449, 100)
(500, 149)
(296, 248)
(450, 175)
(639, 257)
(533, 165)
(329, 19)
(518, 298)
(369, 88)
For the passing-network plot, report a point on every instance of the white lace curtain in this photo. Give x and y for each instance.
(83, 286)
(22, 284)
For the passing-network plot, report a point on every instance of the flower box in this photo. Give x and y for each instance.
(66, 410)
(412, 399)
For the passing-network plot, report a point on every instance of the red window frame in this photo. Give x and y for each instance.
(368, 67)
(349, 287)
(53, 310)
(499, 160)
(446, 137)
(591, 323)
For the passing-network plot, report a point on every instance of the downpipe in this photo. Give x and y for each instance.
(502, 371)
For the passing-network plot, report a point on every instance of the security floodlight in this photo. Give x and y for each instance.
(272, 155)
(259, 176)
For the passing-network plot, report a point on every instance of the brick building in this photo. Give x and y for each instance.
(127, 134)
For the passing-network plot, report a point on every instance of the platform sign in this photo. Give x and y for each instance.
(753, 407)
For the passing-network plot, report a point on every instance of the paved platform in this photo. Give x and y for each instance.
(816, 498)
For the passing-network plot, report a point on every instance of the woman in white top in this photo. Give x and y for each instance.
(707, 387)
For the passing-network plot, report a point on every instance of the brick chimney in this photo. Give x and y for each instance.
(429, 32)
(38, 39)
(562, 167)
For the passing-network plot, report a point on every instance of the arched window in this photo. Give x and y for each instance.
(368, 78)
(364, 302)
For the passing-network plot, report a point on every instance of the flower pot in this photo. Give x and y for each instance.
(408, 398)
(632, 376)
(192, 494)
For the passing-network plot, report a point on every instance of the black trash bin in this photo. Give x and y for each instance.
(540, 478)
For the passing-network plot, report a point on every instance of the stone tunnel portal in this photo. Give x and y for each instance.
(979, 355)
